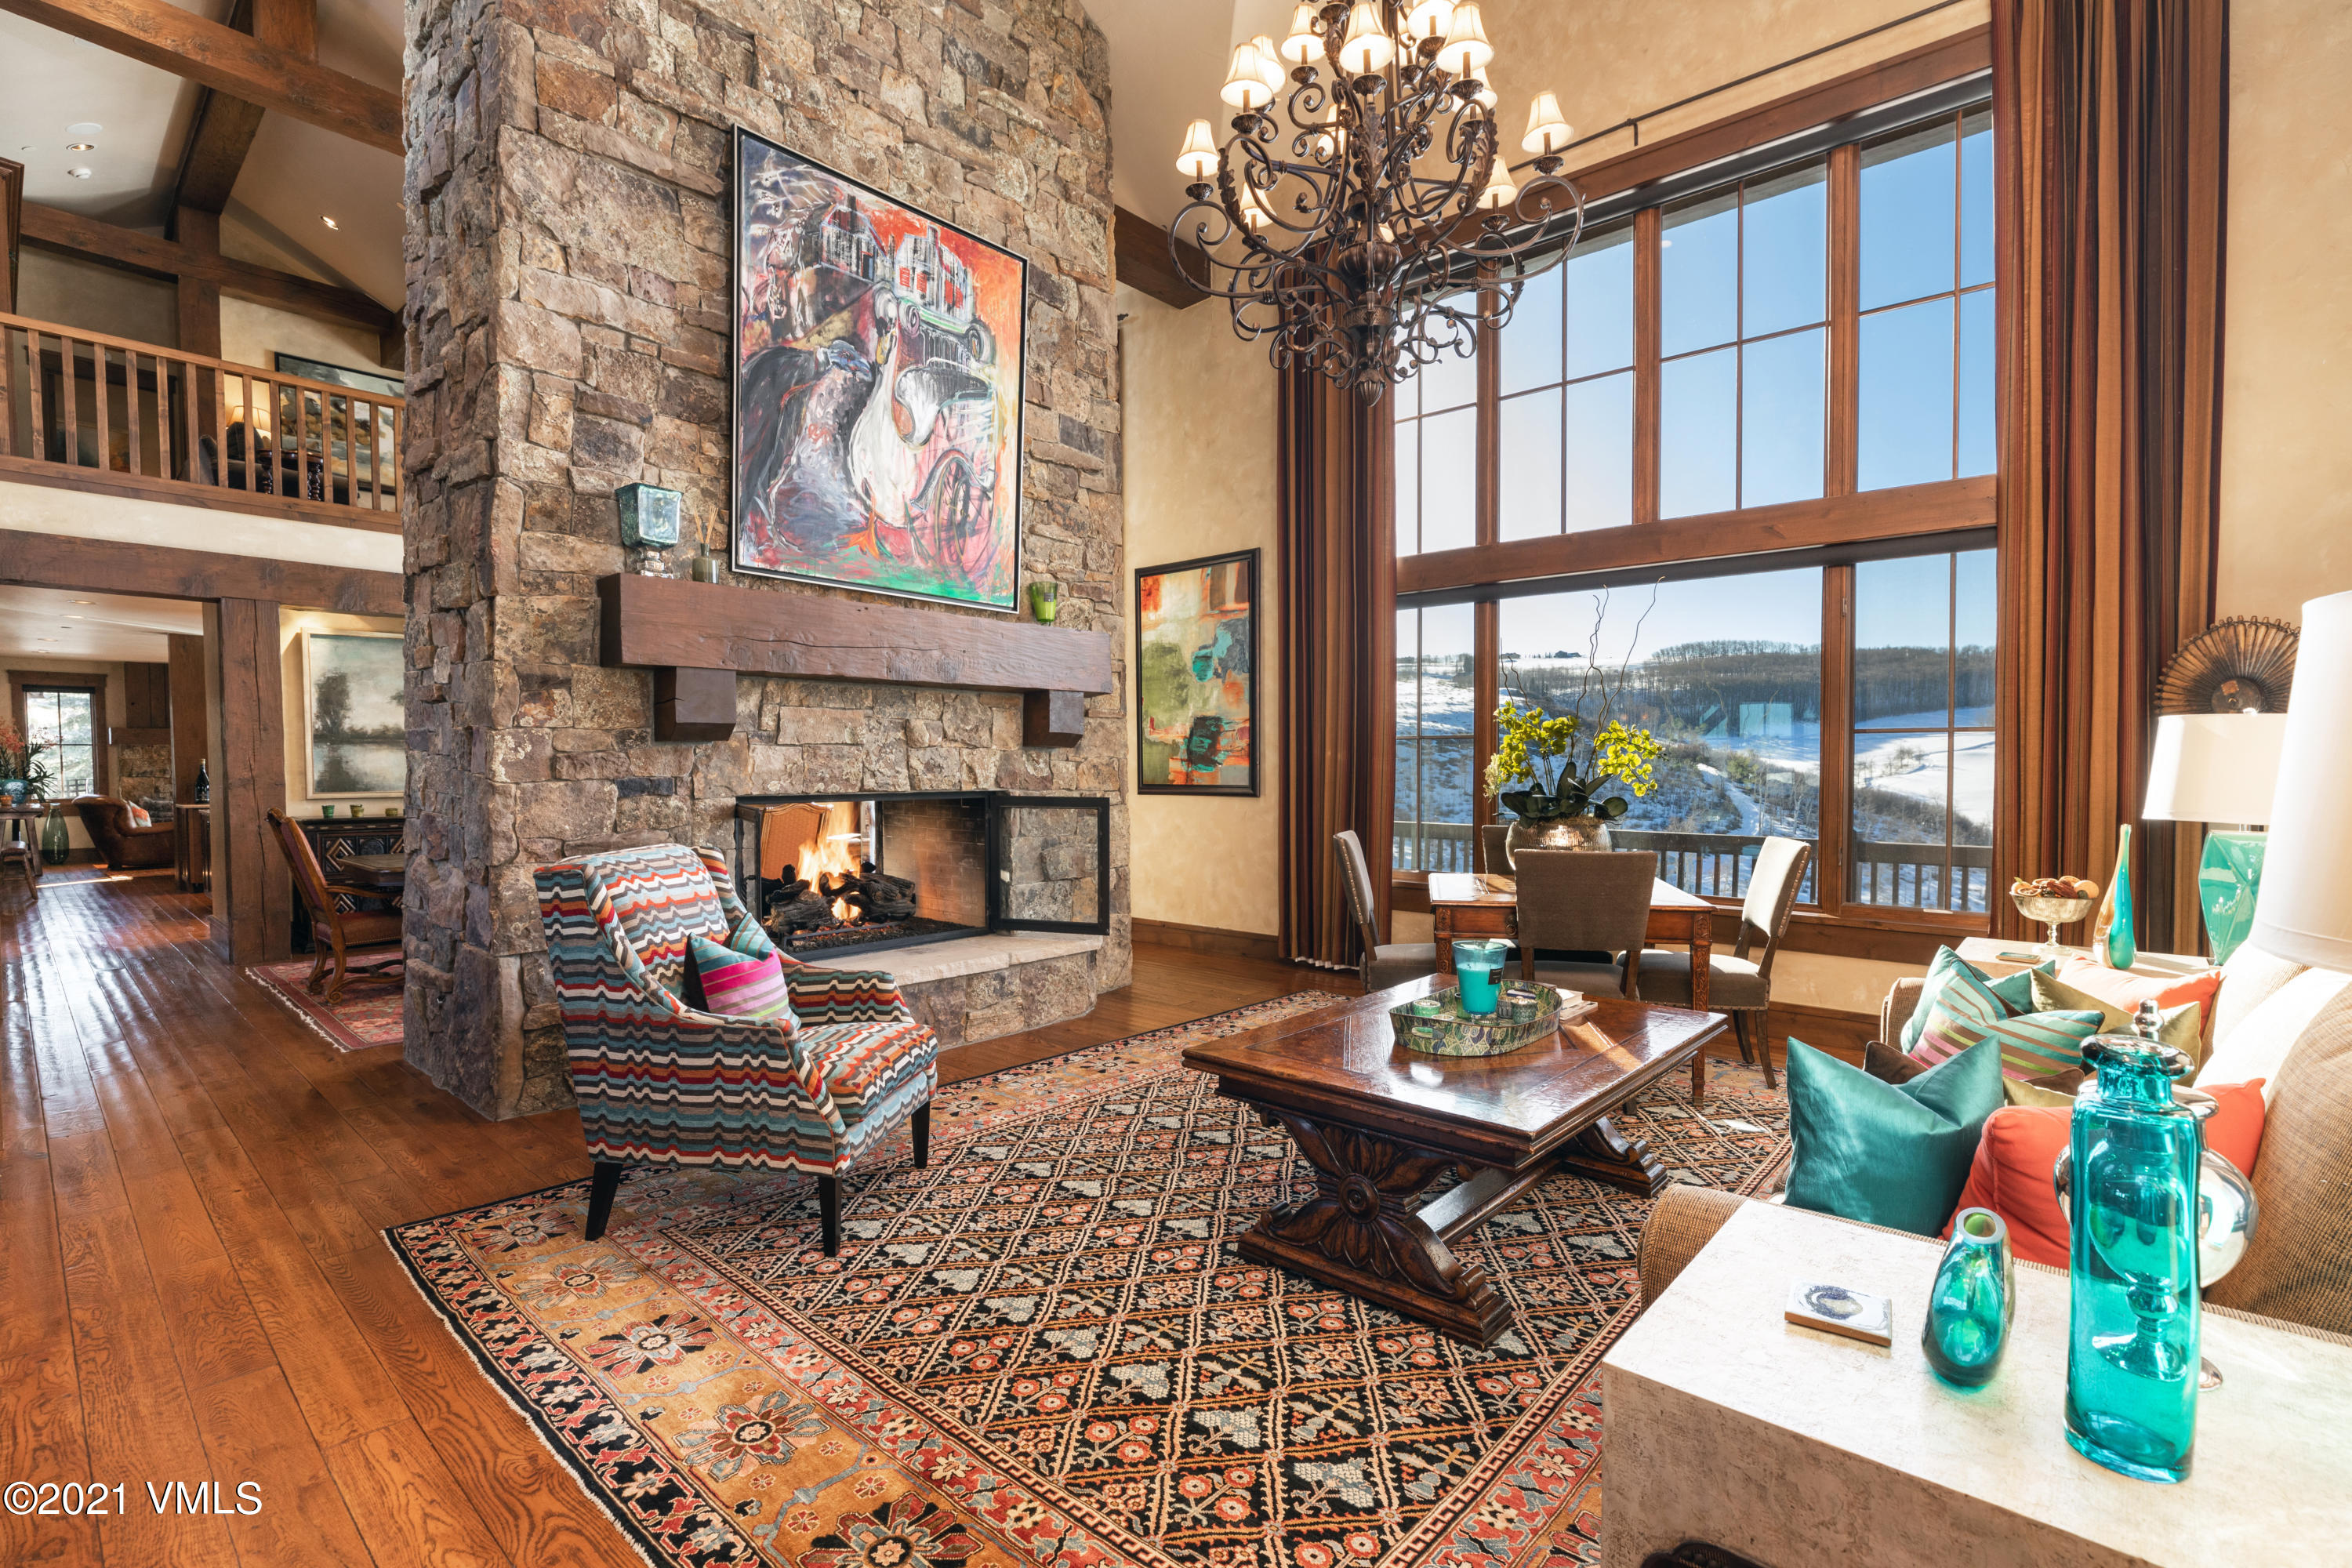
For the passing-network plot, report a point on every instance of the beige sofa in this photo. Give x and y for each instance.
(2273, 1019)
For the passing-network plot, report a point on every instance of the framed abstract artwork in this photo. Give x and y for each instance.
(355, 737)
(1196, 675)
(878, 366)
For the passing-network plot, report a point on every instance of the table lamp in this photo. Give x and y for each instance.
(2305, 911)
(2218, 767)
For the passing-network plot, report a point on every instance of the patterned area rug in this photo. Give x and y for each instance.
(369, 1014)
(1043, 1348)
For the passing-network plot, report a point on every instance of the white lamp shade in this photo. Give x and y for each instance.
(1428, 19)
(1366, 47)
(1304, 43)
(1548, 129)
(1245, 86)
(1500, 191)
(2305, 911)
(2214, 767)
(1466, 50)
(1197, 160)
(1269, 63)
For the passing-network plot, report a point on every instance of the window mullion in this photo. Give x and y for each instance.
(1844, 446)
(1646, 301)
(1487, 638)
(1833, 829)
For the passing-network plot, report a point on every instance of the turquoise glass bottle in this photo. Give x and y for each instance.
(2112, 942)
(2132, 1343)
(1972, 1301)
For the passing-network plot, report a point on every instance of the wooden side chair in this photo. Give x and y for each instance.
(335, 933)
(1383, 963)
(1494, 857)
(21, 856)
(1740, 982)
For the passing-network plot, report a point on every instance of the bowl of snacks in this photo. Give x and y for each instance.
(2053, 902)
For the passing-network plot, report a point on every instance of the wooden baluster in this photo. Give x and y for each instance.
(399, 413)
(302, 441)
(39, 436)
(70, 385)
(131, 407)
(163, 418)
(7, 390)
(218, 418)
(351, 459)
(375, 454)
(99, 370)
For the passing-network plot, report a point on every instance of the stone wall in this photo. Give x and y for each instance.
(567, 294)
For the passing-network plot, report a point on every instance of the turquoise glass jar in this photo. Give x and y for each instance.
(2132, 1340)
(1478, 967)
(1972, 1301)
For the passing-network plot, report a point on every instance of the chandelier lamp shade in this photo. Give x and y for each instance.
(1362, 216)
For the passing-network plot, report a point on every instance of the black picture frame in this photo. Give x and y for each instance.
(1251, 560)
(1015, 451)
(373, 381)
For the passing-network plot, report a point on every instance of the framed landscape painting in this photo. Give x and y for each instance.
(1196, 675)
(878, 364)
(355, 740)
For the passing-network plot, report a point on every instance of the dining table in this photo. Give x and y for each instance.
(1467, 904)
(379, 873)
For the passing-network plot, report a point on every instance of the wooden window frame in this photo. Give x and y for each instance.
(1843, 516)
(21, 681)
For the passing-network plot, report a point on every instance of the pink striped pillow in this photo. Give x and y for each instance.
(737, 985)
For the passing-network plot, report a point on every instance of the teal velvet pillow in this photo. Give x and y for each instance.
(2015, 990)
(1895, 1154)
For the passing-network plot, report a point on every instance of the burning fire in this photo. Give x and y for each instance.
(820, 840)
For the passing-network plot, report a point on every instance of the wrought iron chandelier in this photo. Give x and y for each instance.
(1381, 227)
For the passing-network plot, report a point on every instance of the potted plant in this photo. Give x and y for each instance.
(1565, 767)
(23, 774)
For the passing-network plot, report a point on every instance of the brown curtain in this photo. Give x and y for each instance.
(1339, 655)
(2110, 117)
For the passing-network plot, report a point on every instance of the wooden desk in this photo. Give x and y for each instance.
(1380, 1123)
(1478, 903)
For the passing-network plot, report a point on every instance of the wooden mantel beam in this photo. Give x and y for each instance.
(160, 33)
(104, 242)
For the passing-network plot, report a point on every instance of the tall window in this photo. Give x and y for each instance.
(1436, 708)
(1922, 742)
(1810, 329)
(1927, 303)
(1726, 671)
(65, 720)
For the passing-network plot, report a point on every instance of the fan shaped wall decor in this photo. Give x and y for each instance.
(2243, 665)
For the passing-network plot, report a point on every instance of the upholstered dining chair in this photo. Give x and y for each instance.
(1384, 963)
(1595, 900)
(1740, 982)
(661, 1082)
(336, 933)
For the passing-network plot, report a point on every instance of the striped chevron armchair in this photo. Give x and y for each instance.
(661, 1083)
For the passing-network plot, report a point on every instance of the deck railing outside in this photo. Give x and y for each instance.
(1888, 874)
(78, 406)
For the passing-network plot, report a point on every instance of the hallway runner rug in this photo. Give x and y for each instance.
(369, 1014)
(1043, 1348)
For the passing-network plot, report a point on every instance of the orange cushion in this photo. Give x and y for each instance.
(2020, 1147)
(2124, 991)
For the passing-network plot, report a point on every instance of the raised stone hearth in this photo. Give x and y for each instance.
(979, 987)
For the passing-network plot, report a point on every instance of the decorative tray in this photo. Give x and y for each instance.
(1452, 1032)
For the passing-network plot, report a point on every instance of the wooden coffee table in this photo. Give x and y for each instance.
(1380, 1123)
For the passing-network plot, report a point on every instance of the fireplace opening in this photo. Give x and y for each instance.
(830, 874)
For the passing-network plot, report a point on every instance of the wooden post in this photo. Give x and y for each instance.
(188, 729)
(251, 886)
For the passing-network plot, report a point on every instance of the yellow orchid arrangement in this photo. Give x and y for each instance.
(1526, 739)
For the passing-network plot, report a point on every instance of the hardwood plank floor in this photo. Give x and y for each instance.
(192, 1284)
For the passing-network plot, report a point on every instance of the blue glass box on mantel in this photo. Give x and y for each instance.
(650, 516)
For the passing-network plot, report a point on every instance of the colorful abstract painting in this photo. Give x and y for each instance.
(1196, 675)
(877, 389)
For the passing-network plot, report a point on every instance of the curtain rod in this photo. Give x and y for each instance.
(1633, 122)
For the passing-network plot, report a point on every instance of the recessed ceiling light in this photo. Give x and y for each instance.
(331, 223)
(81, 146)
(78, 174)
(85, 601)
(84, 128)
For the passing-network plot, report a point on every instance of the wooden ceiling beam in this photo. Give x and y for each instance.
(157, 33)
(1139, 258)
(104, 242)
(222, 133)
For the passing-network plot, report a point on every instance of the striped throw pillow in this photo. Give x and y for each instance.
(749, 938)
(737, 985)
(2031, 1045)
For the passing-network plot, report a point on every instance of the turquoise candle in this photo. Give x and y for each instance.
(1479, 966)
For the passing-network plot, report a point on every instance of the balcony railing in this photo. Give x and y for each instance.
(92, 412)
(1887, 874)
